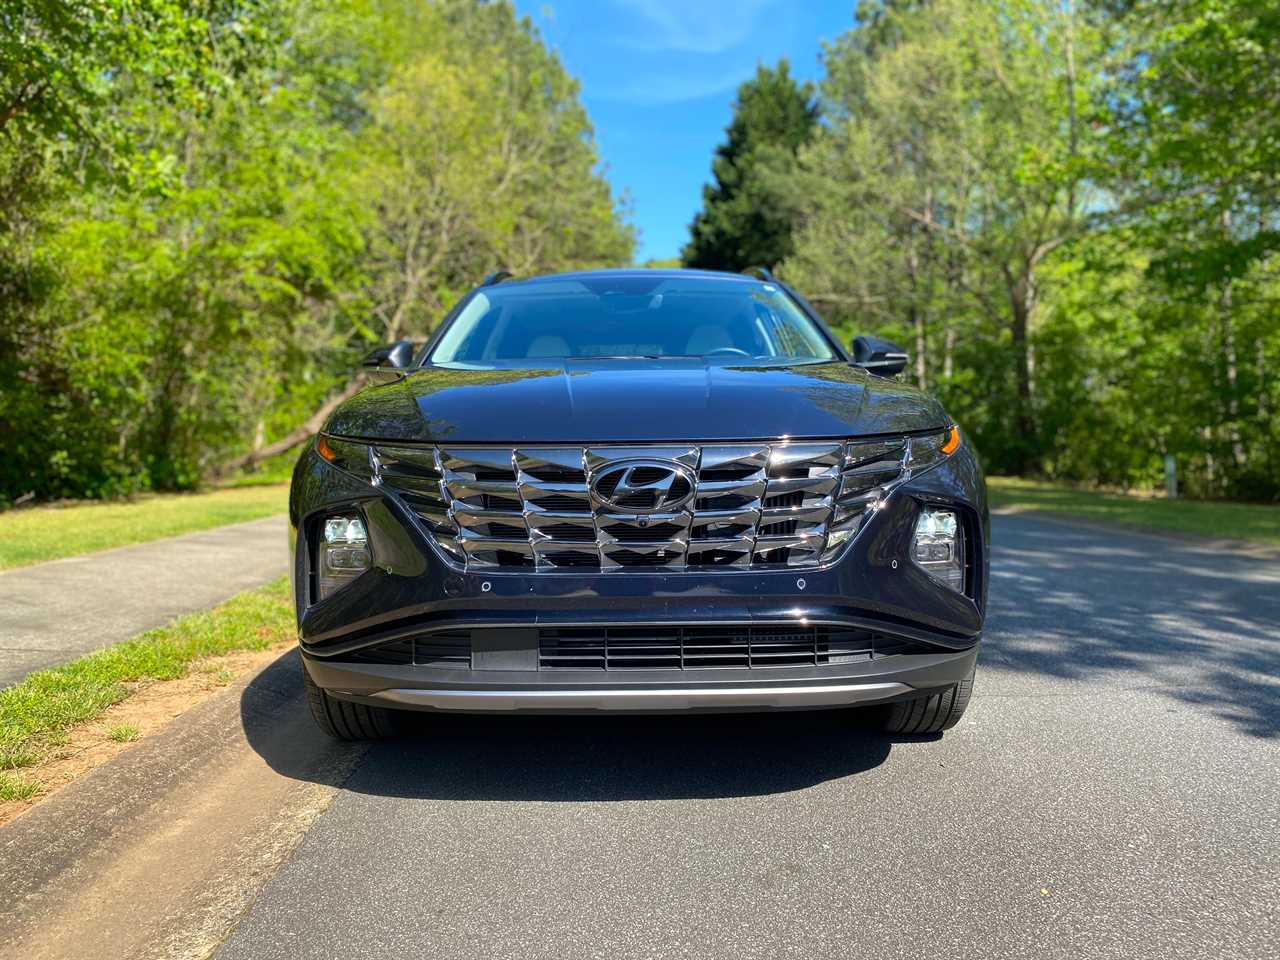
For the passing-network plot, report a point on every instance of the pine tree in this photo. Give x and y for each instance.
(746, 221)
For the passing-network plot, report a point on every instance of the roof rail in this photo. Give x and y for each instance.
(760, 273)
(496, 278)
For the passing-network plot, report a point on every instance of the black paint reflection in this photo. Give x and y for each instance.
(635, 400)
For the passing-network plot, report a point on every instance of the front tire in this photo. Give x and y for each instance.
(347, 721)
(931, 714)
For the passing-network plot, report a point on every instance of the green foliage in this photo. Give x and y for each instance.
(123, 733)
(17, 787)
(747, 215)
(59, 59)
(290, 181)
(1068, 215)
(474, 164)
(1198, 126)
(952, 171)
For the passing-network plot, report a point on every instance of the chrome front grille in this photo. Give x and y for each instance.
(752, 505)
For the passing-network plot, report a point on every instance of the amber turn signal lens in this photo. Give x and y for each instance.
(326, 451)
(950, 447)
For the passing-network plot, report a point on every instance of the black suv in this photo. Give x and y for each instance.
(638, 491)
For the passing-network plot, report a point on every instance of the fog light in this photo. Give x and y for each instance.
(344, 553)
(938, 548)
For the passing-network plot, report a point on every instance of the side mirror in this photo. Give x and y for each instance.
(396, 356)
(880, 357)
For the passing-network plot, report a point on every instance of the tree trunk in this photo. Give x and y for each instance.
(1020, 305)
(1073, 120)
(1229, 356)
(1233, 377)
(296, 437)
(1262, 380)
(1209, 463)
(920, 311)
(920, 350)
(915, 314)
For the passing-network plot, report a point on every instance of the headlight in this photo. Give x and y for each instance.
(928, 450)
(343, 553)
(346, 454)
(938, 548)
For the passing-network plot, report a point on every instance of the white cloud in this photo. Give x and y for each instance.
(659, 88)
(692, 26)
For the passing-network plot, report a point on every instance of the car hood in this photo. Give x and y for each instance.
(617, 400)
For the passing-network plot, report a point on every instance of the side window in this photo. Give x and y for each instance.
(457, 340)
(472, 347)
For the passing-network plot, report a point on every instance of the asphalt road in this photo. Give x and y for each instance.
(1114, 791)
(53, 612)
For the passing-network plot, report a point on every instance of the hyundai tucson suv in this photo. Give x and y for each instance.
(645, 491)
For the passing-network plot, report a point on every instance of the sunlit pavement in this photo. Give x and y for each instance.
(1113, 792)
(54, 612)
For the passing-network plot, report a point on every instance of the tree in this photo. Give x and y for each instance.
(954, 169)
(746, 219)
(1195, 134)
(474, 164)
(261, 225)
(1194, 140)
(59, 60)
(79, 85)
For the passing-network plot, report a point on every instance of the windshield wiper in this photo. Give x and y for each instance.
(631, 356)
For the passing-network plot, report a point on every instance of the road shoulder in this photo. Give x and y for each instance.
(1208, 544)
(159, 852)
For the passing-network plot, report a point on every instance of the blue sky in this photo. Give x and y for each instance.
(658, 78)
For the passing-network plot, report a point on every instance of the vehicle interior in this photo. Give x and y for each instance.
(562, 321)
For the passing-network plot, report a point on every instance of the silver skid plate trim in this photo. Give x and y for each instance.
(675, 698)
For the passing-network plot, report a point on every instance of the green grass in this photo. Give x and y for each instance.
(17, 787)
(36, 534)
(1201, 518)
(35, 713)
(124, 733)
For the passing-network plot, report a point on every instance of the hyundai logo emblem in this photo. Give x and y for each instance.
(643, 486)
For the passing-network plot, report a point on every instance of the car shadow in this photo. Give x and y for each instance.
(572, 758)
(1068, 603)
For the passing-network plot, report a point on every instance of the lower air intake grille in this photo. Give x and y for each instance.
(658, 647)
(448, 648)
(691, 647)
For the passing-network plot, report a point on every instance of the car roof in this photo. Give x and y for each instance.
(634, 272)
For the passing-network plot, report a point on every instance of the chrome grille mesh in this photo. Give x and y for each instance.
(785, 504)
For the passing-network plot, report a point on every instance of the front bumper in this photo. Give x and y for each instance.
(873, 587)
(478, 691)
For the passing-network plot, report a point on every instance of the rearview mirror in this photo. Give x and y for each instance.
(396, 355)
(880, 357)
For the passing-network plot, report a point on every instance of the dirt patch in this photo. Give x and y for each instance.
(149, 708)
(158, 853)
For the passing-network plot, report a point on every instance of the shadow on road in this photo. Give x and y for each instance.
(1079, 603)
(1067, 603)
(521, 757)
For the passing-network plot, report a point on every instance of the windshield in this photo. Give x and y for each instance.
(632, 316)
